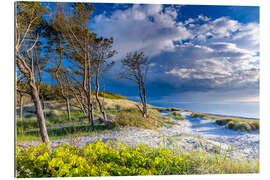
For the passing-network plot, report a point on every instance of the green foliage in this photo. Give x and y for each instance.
(32, 123)
(28, 123)
(239, 124)
(49, 92)
(68, 130)
(167, 109)
(116, 159)
(176, 115)
(196, 114)
(132, 117)
(111, 95)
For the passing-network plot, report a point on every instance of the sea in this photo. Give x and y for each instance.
(243, 109)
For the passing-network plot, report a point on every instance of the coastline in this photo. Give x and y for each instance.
(231, 116)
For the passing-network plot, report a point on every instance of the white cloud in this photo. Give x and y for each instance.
(142, 27)
(203, 18)
(219, 52)
(189, 20)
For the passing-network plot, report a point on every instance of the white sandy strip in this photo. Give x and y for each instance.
(246, 143)
(189, 134)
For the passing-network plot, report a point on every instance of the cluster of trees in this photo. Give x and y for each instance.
(59, 41)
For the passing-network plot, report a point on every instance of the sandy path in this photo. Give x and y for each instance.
(244, 143)
(191, 134)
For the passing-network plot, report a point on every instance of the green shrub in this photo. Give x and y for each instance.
(117, 159)
(176, 115)
(132, 118)
(222, 122)
(236, 124)
(239, 124)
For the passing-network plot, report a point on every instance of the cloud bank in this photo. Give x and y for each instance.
(195, 54)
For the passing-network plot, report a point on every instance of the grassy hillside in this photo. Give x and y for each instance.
(121, 111)
(236, 124)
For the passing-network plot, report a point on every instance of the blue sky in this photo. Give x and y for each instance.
(197, 53)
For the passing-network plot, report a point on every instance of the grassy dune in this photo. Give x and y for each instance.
(236, 124)
(105, 160)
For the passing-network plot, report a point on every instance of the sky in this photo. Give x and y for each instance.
(197, 53)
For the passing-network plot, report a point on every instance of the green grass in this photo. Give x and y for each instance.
(236, 124)
(111, 95)
(196, 114)
(167, 109)
(117, 159)
(31, 122)
(239, 124)
(133, 118)
(176, 115)
(65, 132)
(28, 129)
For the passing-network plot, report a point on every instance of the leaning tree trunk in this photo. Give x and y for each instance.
(68, 108)
(144, 101)
(142, 93)
(21, 107)
(90, 113)
(40, 114)
(101, 109)
(100, 105)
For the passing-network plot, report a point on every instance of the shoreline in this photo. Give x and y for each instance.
(232, 116)
(211, 114)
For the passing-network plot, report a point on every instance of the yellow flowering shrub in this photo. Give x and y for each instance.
(114, 159)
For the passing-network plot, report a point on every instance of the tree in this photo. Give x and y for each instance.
(29, 21)
(57, 47)
(100, 53)
(80, 38)
(135, 67)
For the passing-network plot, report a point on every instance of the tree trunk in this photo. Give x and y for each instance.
(100, 105)
(144, 100)
(68, 108)
(101, 109)
(21, 107)
(40, 114)
(90, 114)
(142, 93)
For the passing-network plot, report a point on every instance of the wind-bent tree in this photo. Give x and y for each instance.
(57, 47)
(29, 20)
(100, 53)
(80, 38)
(135, 67)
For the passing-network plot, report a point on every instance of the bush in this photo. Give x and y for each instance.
(132, 118)
(117, 159)
(222, 122)
(239, 124)
(176, 115)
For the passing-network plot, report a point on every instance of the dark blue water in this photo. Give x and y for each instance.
(249, 110)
